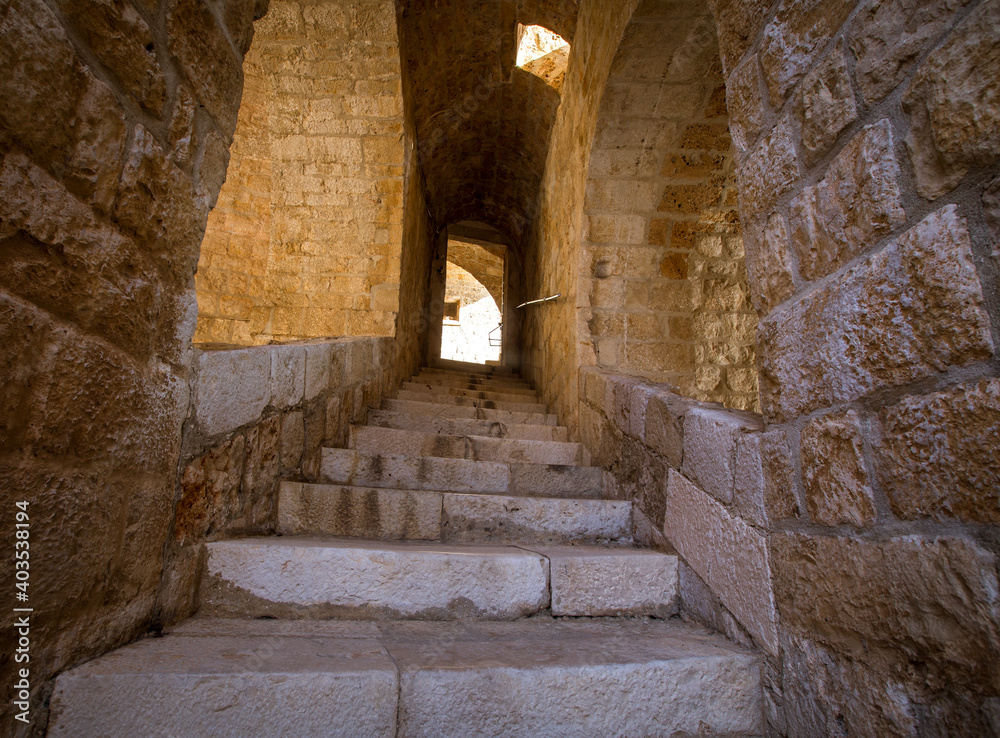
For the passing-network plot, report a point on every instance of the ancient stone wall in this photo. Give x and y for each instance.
(261, 415)
(306, 239)
(867, 147)
(484, 263)
(668, 297)
(115, 122)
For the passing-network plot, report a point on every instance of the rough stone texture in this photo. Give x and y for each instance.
(499, 519)
(849, 339)
(284, 682)
(869, 600)
(328, 577)
(827, 105)
(744, 104)
(768, 171)
(834, 471)
(856, 204)
(599, 582)
(379, 514)
(710, 438)
(888, 37)
(727, 553)
(953, 104)
(793, 39)
(936, 454)
(233, 388)
(769, 263)
(580, 672)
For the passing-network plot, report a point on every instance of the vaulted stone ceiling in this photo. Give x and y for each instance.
(482, 124)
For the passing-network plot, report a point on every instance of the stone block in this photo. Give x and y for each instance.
(745, 104)
(864, 599)
(827, 104)
(889, 36)
(739, 22)
(954, 104)
(233, 387)
(664, 431)
(611, 582)
(937, 454)
(710, 448)
(207, 58)
(288, 375)
(905, 313)
(794, 38)
(293, 441)
(855, 204)
(769, 265)
(768, 171)
(729, 555)
(210, 491)
(318, 359)
(834, 471)
(328, 578)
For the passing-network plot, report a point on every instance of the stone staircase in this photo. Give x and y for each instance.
(456, 573)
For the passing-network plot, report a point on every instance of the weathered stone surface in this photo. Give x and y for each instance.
(936, 454)
(596, 582)
(379, 514)
(233, 388)
(208, 60)
(768, 171)
(710, 448)
(769, 264)
(827, 695)
(906, 312)
(727, 553)
(827, 105)
(121, 39)
(699, 603)
(744, 103)
(793, 39)
(528, 520)
(664, 431)
(571, 678)
(954, 103)
(210, 491)
(467, 426)
(863, 599)
(324, 577)
(418, 407)
(310, 684)
(856, 203)
(288, 375)
(889, 36)
(739, 22)
(439, 399)
(991, 209)
(834, 471)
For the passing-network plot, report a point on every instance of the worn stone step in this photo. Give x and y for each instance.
(478, 679)
(467, 426)
(497, 385)
(423, 407)
(389, 514)
(326, 577)
(465, 367)
(373, 439)
(437, 390)
(320, 577)
(391, 471)
(439, 398)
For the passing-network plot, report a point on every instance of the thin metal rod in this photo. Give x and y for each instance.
(535, 302)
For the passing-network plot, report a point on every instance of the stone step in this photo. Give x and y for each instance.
(390, 471)
(231, 678)
(318, 577)
(422, 407)
(439, 398)
(496, 385)
(437, 384)
(437, 390)
(465, 367)
(467, 426)
(392, 515)
(466, 377)
(373, 439)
